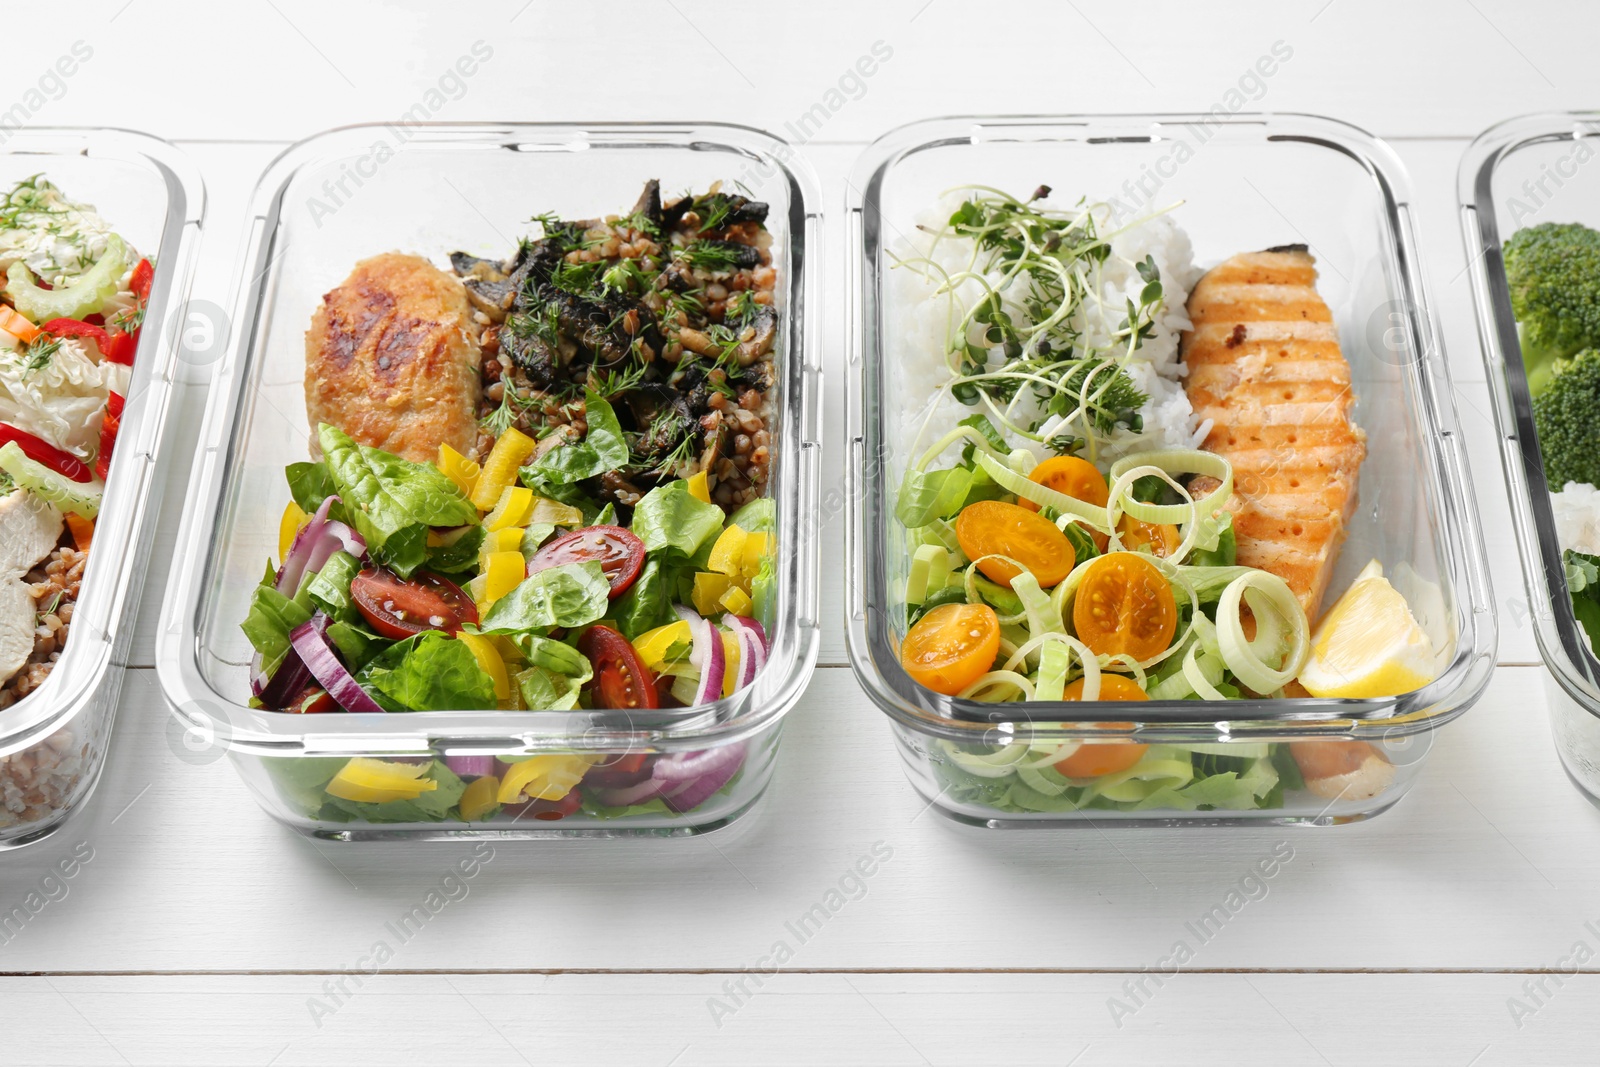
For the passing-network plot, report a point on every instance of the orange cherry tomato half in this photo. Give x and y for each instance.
(952, 646)
(990, 527)
(1160, 538)
(1094, 758)
(1077, 478)
(1124, 607)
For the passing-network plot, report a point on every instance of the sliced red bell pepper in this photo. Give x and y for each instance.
(143, 275)
(120, 347)
(108, 434)
(77, 328)
(41, 451)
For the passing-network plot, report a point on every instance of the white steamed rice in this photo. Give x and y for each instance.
(922, 317)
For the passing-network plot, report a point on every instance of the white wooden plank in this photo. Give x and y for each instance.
(1419, 68)
(1422, 1020)
(1476, 868)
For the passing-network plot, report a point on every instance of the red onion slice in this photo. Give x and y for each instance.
(310, 641)
(689, 779)
(708, 656)
(313, 545)
(628, 795)
(752, 647)
(287, 682)
(471, 766)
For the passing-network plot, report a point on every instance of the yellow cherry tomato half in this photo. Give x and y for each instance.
(1094, 758)
(951, 647)
(1160, 538)
(1077, 478)
(1124, 606)
(990, 527)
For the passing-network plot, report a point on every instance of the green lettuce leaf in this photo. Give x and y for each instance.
(272, 615)
(648, 601)
(329, 588)
(392, 501)
(758, 516)
(310, 485)
(459, 553)
(428, 672)
(571, 595)
(602, 448)
(670, 518)
(356, 643)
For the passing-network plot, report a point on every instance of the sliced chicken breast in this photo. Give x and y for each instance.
(1265, 367)
(29, 530)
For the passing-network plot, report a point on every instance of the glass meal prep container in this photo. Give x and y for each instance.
(1519, 173)
(1243, 183)
(432, 190)
(53, 741)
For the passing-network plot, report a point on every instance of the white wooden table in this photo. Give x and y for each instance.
(201, 932)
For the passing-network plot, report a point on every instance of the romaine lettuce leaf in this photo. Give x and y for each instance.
(392, 501)
(670, 518)
(329, 588)
(428, 672)
(648, 601)
(571, 595)
(459, 553)
(272, 615)
(602, 448)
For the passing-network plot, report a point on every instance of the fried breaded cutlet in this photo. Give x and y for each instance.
(1265, 366)
(392, 359)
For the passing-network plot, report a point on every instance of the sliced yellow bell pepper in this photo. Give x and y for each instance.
(544, 777)
(458, 468)
(488, 658)
(511, 510)
(554, 512)
(373, 781)
(708, 590)
(653, 645)
(727, 555)
(506, 540)
(502, 572)
(755, 550)
(480, 797)
(736, 600)
(730, 654)
(511, 450)
(700, 487)
(288, 526)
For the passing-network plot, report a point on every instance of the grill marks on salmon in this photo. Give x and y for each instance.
(1265, 367)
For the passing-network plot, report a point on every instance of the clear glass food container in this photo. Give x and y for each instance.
(347, 194)
(53, 741)
(1519, 173)
(1245, 182)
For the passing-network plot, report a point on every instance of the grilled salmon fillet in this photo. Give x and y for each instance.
(1265, 366)
(392, 359)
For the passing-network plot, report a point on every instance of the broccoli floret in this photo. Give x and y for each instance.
(1553, 272)
(1567, 416)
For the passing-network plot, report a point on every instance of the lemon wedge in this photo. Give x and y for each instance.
(1369, 644)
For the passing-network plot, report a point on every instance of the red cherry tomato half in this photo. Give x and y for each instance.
(619, 553)
(397, 608)
(620, 679)
(549, 810)
(314, 701)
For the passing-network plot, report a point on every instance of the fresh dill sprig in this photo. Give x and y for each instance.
(707, 255)
(611, 382)
(38, 354)
(512, 407)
